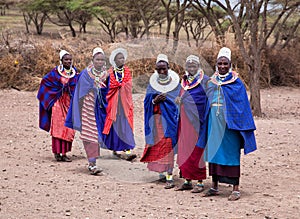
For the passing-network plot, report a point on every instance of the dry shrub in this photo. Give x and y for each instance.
(46, 58)
(10, 70)
(284, 66)
(36, 57)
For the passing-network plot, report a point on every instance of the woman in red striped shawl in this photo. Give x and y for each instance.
(88, 111)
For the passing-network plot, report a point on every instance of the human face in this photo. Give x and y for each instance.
(119, 60)
(223, 65)
(67, 61)
(192, 68)
(162, 69)
(98, 61)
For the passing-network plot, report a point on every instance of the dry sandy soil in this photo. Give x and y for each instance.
(33, 185)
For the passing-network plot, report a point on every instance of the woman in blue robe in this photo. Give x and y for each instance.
(230, 127)
(161, 120)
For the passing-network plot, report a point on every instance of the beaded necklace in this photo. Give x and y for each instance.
(99, 76)
(164, 81)
(219, 80)
(66, 73)
(119, 74)
(199, 76)
(222, 77)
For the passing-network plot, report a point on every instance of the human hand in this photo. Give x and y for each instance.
(178, 100)
(159, 98)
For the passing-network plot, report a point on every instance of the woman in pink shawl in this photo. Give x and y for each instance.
(192, 126)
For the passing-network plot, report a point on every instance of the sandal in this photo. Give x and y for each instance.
(211, 192)
(198, 188)
(57, 157)
(169, 184)
(185, 186)
(235, 195)
(94, 170)
(128, 157)
(116, 154)
(162, 179)
(64, 158)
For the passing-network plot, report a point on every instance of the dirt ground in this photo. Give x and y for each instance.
(33, 185)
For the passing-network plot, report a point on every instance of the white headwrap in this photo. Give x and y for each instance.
(162, 57)
(116, 52)
(193, 58)
(225, 52)
(62, 53)
(97, 50)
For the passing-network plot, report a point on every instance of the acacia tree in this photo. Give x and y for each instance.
(287, 29)
(82, 12)
(215, 16)
(148, 12)
(195, 24)
(254, 41)
(181, 7)
(35, 11)
(64, 14)
(108, 14)
(135, 18)
(139, 17)
(174, 10)
(3, 6)
(159, 18)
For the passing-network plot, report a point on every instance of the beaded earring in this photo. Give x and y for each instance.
(217, 70)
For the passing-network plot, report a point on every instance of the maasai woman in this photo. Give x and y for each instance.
(118, 127)
(88, 110)
(161, 120)
(192, 125)
(56, 89)
(231, 126)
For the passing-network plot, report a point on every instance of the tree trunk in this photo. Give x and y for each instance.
(254, 73)
(84, 27)
(39, 29)
(187, 35)
(160, 28)
(26, 22)
(72, 30)
(168, 30)
(112, 38)
(126, 32)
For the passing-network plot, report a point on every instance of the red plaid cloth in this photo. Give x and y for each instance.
(162, 152)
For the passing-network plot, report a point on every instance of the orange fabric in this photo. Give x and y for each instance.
(124, 89)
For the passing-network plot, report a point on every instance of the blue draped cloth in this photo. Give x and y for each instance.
(84, 86)
(50, 90)
(120, 137)
(237, 110)
(196, 107)
(169, 113)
